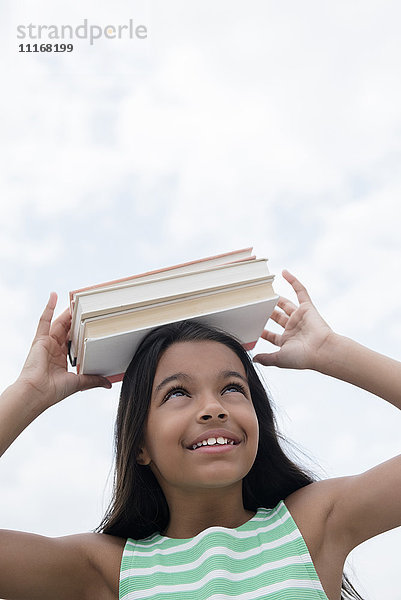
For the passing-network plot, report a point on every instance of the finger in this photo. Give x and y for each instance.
(267, 360)
(64, 348)
(279, 317)
(88, 382)
(47, 315)
(299, 289)
(61, 327)
(287, 306)
(273, 338)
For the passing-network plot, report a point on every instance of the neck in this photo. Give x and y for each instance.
(194, 511)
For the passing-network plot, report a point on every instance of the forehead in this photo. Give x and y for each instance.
(198, 357)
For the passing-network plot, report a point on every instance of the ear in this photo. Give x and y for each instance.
(143, 457)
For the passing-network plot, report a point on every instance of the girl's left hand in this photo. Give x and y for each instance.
(305, 332)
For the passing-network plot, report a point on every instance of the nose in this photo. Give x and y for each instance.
(211, 408)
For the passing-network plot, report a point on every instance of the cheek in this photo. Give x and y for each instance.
(251, 419)
(161, 440)
(253, 431)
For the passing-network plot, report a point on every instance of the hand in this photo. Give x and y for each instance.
(45, 371)
(305, 332)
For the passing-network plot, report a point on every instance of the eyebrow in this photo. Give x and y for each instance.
(171, 378)
(227, 374)
(178, 376)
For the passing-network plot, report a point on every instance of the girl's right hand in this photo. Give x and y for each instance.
(45, 372)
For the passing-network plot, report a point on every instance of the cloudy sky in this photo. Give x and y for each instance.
(272, 124)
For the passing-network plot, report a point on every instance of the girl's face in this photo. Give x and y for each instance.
(199, 387)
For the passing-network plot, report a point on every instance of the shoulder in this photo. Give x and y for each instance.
(350, 510)
(104, 553)
(311, 507)
(83, 566)
(322, 494)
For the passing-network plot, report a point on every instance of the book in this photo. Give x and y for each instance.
(188, 267)
(141, 293)
(200, 305)
(110, 320)
(193, 265)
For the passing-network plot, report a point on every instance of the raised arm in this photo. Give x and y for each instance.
(365, 505)
(33, 566)
(308, 342)
(44, 379)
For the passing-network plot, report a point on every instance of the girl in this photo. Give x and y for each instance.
(206, 504)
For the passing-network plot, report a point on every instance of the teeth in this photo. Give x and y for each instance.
(213, 441)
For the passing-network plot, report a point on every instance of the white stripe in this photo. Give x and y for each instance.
(194, 541)
(215, 551)
(297, 559)
(241, 534)
(289, 584)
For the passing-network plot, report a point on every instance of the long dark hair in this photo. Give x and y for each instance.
(138, 507)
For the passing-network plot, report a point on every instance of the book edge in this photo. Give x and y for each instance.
(153, 272)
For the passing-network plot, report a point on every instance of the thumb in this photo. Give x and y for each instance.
(88, 382)
(267, 360)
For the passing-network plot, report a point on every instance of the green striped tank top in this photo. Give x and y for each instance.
(265, 558)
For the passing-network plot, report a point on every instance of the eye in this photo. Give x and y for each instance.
(173, 392)
(237, 387)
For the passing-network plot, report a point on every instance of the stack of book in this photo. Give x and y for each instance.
(232, 291)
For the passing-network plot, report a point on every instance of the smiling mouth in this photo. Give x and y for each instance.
(215, 447)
